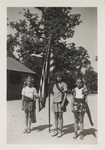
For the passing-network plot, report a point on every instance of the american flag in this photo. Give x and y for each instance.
(48, 68)
(52, 63)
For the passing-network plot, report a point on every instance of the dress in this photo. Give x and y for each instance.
(79, 104)
(29, 104)
(79, 97)
(57, 97)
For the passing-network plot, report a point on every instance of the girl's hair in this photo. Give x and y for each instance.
(80, 78)
(28, 78)
(59, 74)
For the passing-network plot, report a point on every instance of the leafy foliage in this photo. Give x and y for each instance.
(91, 80)
(32, 35)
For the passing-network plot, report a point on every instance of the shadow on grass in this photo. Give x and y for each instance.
(41, 127)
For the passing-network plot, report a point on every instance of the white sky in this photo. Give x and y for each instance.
(85, 33)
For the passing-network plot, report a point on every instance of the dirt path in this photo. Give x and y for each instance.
(40, 130)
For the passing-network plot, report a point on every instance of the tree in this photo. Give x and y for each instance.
(11, 43)
(91, 80)
(32, 36)
(32, 33)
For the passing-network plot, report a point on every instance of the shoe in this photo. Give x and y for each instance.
(29, 130)
(55, 133)
(25, 130)
(59, 135)
(81, 137)
(75, 136)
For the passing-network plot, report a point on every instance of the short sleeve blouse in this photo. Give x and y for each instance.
(57, 94)
(79, 93)
(29, 92)
(63, 87)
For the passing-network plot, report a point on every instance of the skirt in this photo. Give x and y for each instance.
(56, 107)
(79, 107)
(30, 107)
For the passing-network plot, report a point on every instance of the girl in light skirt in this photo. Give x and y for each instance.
(58, 104)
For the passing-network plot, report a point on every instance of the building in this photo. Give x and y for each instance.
(16, 73)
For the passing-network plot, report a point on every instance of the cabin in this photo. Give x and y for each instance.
(16, 74)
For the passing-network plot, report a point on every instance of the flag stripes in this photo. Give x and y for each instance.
(48, 68)
(43, 83)
(52, 63)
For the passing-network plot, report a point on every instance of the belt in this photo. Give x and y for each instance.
(27, 99)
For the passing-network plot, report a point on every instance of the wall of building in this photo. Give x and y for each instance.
(15, 81)
(14, 91)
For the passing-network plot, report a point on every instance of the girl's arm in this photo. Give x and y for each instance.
(65, 95)
(35, 100)
(53, 91)
(86, 99)
(34, 96)
(22, 102)
(72, 101)
(64, 98)
(85, 94)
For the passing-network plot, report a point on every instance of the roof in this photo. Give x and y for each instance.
(14, 65)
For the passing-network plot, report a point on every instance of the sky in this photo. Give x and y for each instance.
(85, 34)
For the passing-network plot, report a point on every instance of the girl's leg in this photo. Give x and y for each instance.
(60, 119)
(56, 123)
(76, 115)
(26, 121)
(29, 121)
(81, 124)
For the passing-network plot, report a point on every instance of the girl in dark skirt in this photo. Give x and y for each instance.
(58, 106)
(28, 103)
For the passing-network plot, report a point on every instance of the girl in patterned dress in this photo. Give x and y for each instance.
(79, 100)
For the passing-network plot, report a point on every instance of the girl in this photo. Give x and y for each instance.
(79, 106)
(58, 106)
(29, 103)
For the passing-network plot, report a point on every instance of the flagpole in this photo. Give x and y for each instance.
(49, 100)
(49, 80)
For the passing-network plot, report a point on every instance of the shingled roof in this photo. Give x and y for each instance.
(14, 65)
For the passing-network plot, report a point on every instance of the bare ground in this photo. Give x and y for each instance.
(40, 130)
